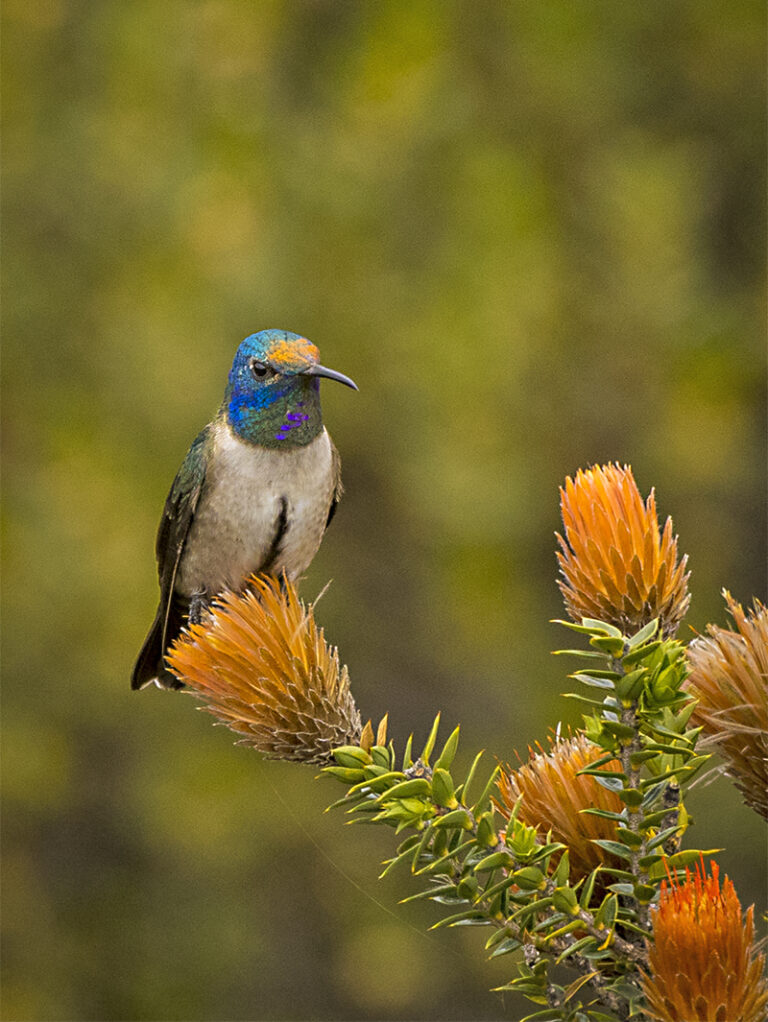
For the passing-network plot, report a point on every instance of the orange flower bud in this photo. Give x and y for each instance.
(702, 962)
(730, 680)
(617, 565)
(263, 668)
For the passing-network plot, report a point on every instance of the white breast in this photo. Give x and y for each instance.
(236, 521)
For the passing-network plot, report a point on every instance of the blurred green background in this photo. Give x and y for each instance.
(533, 234)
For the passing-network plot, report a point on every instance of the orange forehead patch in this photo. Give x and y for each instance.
(289, 354)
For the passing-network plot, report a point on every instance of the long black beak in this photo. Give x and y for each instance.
(331, 374)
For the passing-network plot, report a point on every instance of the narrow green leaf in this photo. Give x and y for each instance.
(430, 744)
(627, 924)
(644, 893)
(496, 938)
(688, 856)
(609, 644)
(351, 756)
(576, 947)
(443, 792)
(529, 878)
(438, 864)
(626, 890)
(349, 775)
(378, 783)
(585, 700)
(590, 771)
(592, 681)
(605, 814)
(485, 798)
(505, 947)
(565, 900)
(600, 761)
(672, 750)
(470, 777)
(570, 927)
(601, 626)
(502, 885)
(407, 760)
(649, 860)
(631, 685)
(547, 851)
(621, 874)
(646, 632)
(406, 789)
(614, 847)
(449, 751)
(459, 917)
(587, 654)
(486, 831)
(589, 886)
(532, 908)
(410, 842)
(345, 801)
(606, 914)
(661, 837)
(583, 629)
(630, 837)
(562, 872)
(392, 863)
(456, 818)
(638, 758)
(494, 861)
(649, 782)
(618, 730)
(665, 732)
(430, 892)
(381, 757)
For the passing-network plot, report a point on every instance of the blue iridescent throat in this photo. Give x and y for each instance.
(278, 415)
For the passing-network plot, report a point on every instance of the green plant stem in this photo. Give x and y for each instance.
(636, 815)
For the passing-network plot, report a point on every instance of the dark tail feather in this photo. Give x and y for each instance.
(150, 663)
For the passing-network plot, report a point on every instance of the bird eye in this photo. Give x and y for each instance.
(260, 370)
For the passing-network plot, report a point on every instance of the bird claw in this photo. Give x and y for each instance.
(199, 608)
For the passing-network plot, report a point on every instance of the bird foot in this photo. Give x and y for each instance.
(199, 608)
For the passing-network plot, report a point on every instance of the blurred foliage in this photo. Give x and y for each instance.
(533, 235)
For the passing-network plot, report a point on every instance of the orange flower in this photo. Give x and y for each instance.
(703, 963)
(264, 669)
(730, 680)
(617, 565)
(553, 794)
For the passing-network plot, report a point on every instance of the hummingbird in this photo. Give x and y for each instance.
(255, 493)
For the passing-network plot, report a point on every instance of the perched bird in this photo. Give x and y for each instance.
(255, 493)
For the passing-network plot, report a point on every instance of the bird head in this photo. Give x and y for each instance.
(274, 373)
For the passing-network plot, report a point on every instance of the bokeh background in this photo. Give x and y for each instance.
(533, 233)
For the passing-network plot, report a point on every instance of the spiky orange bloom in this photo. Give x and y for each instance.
(702, 961)
(264, 669)
(617, 565)
(730, 680)
(553, 794)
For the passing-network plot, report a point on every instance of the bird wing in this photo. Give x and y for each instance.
(178, 513)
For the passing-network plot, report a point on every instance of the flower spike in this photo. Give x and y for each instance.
(616, 564)
(552, 793)
(730, 680)
(262, 666)
(703, 963)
